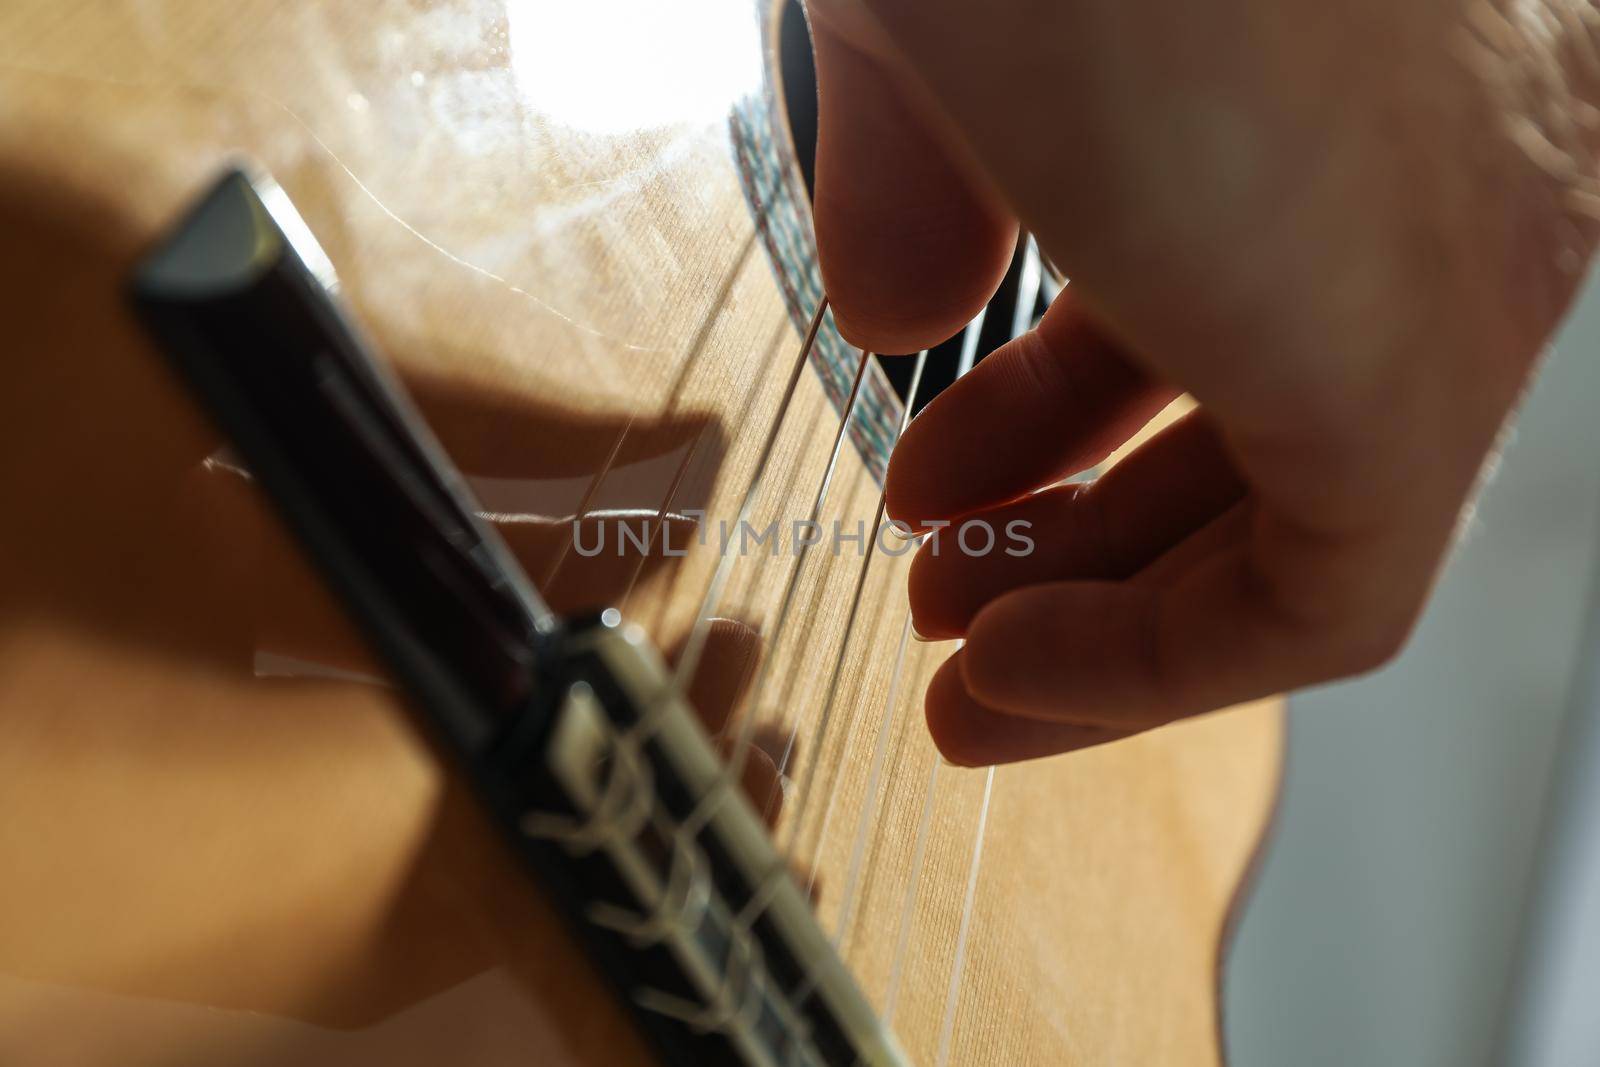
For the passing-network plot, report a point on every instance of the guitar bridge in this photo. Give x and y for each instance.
(680, 866)
(573, 737)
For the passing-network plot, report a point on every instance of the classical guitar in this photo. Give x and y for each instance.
(446, 611)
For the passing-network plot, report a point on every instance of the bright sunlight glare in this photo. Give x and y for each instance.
(664, 63)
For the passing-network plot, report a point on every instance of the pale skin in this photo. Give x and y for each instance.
(1347, 230)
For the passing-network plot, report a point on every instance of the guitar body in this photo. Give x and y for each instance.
(577, 231)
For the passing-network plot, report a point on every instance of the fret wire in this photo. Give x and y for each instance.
(807, 787)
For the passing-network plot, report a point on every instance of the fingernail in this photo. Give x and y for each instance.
(900, 531)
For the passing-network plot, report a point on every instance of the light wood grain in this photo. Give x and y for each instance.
(207, 867)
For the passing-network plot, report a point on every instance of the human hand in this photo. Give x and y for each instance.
(1346, 230)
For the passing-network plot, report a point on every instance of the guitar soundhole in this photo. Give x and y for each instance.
(799, 76)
